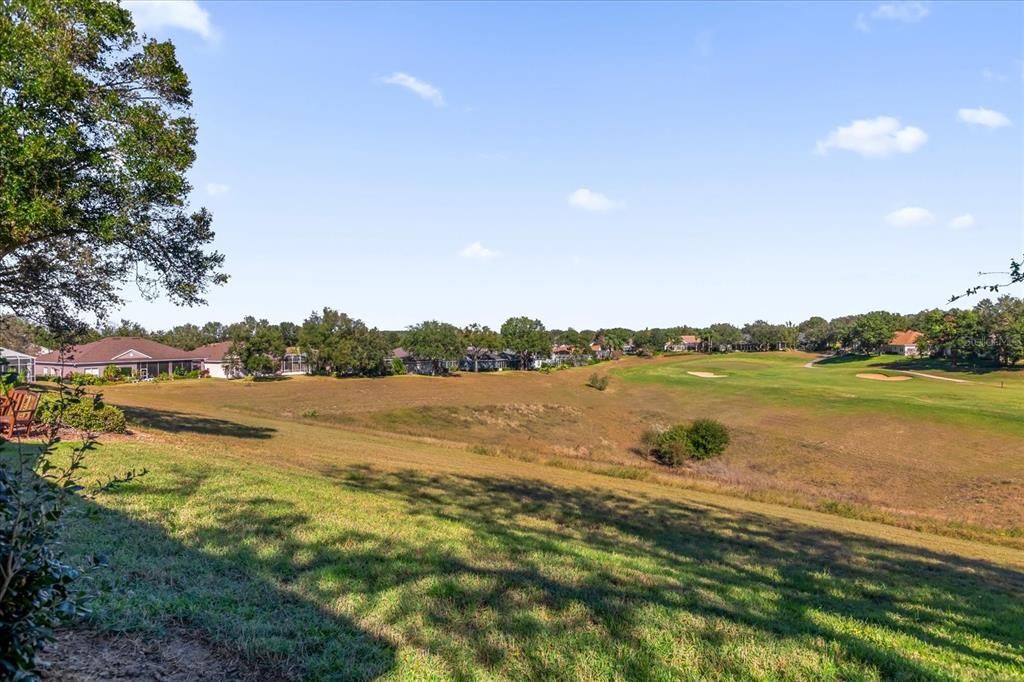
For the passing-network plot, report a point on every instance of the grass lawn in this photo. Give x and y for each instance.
(413, 561)
(487, 527)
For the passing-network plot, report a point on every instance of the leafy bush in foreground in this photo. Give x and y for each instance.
(86, 413)
(707, 438)
(702, 439)
(598, 381)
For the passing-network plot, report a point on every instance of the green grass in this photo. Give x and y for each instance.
(474, 567)
(995, 400)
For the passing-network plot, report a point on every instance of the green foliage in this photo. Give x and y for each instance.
(83, 379)
(113, 373)
(398, 367)
(38, 587)
(873, 331)
(598, 381)
(310, 414)
(337, 344)
(479, 339)
(669, 446)
(707, 438)
(992, 333)
(95, 147)
(526, 337)
(86, 413)
(256, 346)
(702, 439)
(435, 341)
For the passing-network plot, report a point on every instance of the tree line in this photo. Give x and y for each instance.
(992, 332)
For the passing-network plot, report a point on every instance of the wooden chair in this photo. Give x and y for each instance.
(19, 412)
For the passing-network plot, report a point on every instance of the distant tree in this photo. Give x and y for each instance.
(526, 338)
(18, 334)
(480, 338)
(435, 341)
(256, 346)
(95, 147)
(185, 336)
(722, 334)
(813, 334)
(615, 338)
(123, 328)
(872, 331)
(214, 332)
(570, 337)
(337, 344)
(290, 333)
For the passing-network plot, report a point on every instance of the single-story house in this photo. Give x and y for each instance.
(22, 363)
(216, 360)
(904, 343)
(137, 357)
(488, 361)
(414, 365)
(684, 343)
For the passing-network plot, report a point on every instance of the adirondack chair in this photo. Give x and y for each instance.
(19, 412)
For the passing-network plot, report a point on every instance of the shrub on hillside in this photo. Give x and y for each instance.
(87, 413)
(707, 437)
(598, 381)
(702, 439)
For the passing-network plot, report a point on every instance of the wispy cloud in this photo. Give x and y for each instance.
(904, 11)
(477, 251)
(874, 138)
(412, 84)
(962, 222)
(589, 200)
(993, 77)
(983, 117)
(910, 216)
(216, 188)
(155, 15)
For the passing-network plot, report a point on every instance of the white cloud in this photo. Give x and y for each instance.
(153, 15)
(962, 222)
(216, 188)
(910, 216)
(983, 117)
(905, 11)
(592, 201)
(874, 138)
(477, 251)
(415, 85)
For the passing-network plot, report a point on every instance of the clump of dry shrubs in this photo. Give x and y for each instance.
(701, 439)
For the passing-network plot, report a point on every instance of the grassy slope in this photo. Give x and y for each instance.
(391, 557)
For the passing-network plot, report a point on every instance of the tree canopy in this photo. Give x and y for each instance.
(95, 144)
(435, 341)
(337, 344)
(526, 337)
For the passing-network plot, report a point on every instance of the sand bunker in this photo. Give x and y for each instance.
(882, 377)
(708, 375)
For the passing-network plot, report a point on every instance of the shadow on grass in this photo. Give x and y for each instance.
(843, 359)
(535, 581)
(179, 422)
(941, 364)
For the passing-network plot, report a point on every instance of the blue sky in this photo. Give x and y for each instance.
(600, 164)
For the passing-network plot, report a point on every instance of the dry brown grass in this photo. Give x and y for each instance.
(875, 463)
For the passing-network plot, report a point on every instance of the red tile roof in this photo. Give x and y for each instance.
(688, 338)
(905, 338)
(212, 352)
(113, 349)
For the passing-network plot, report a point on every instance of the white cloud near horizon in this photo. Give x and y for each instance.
(962, 222)
(983, 117)
(479, 252)
(153, 15)
(216, 188)
(910, 216)
(588, 200)
(874, 138)
(903, 11)
(414, 85)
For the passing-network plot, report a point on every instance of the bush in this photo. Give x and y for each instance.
(310, 414)
(598, 381)
(113, 373)
(398, 367)
(85, 414)
(707, 438)
(82, 379)
(702, 439)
